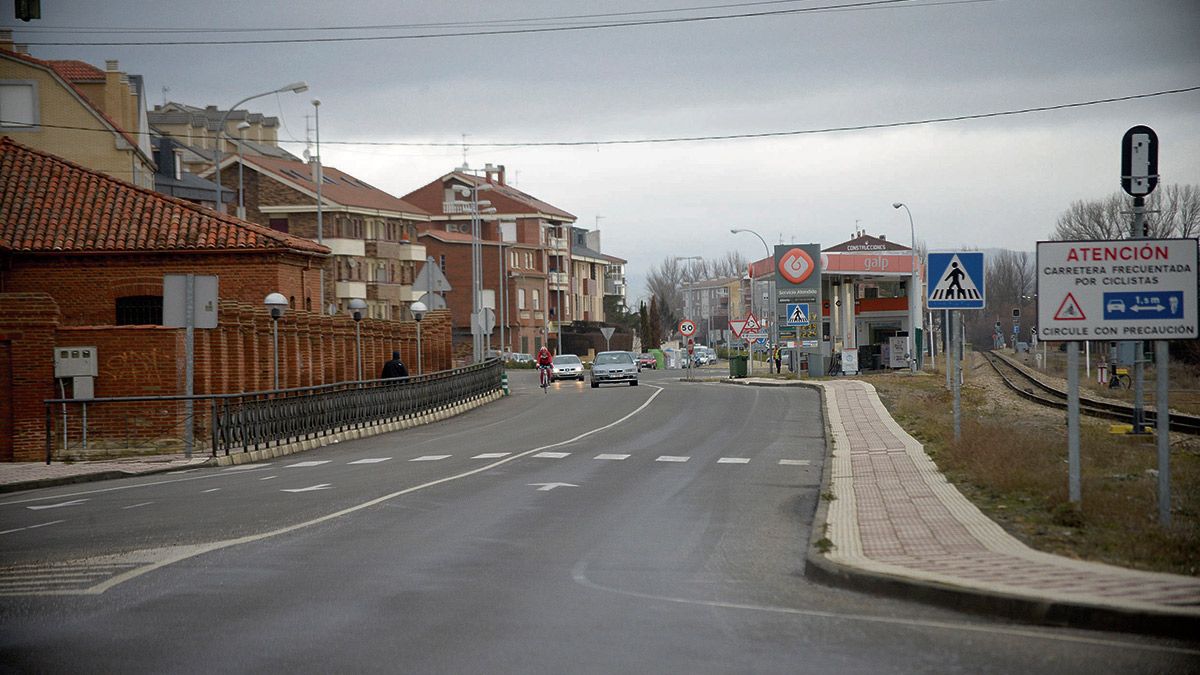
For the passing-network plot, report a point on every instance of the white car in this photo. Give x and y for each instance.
(566, 367)
(614, 367)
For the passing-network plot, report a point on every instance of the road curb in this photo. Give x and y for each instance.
(821, 569)
(93, 477)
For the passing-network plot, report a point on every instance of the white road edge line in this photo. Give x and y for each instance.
(33, 527)
(134, 506)
(192, 551)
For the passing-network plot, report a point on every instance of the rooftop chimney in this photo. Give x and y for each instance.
(6, 41)
(112, 65)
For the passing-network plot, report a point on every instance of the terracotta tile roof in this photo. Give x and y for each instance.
(49, 204)
(77, 71)
(508, 193)
(454, 237)
(339, 188)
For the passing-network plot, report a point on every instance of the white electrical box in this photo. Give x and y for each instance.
(75, 362)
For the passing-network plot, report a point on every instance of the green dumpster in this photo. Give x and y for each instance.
(738, 365)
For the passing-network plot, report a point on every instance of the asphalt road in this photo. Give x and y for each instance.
(660, 528)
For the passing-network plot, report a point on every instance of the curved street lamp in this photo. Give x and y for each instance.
(773, 309)
(914, 348)
(296, 87)
(476, 264)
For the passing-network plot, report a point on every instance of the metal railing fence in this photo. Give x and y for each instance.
(226, 423)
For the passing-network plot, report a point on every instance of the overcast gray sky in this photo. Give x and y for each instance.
(993, 182)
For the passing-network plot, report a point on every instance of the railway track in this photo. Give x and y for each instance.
(1041, 393)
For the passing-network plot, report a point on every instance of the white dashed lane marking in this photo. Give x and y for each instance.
(305, 465)
(370, 460)
(606, 456)
(672, 458)
(552, 455)
(212, 490)
(247, 467)
(734, 460)
(428, 458)
(267, 478)
(136, 506)
(795, 462)
(492, 455)
(32, 527)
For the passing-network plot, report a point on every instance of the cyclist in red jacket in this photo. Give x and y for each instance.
(544, 362)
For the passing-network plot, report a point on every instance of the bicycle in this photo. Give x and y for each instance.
(544, 374)
(1120, 379)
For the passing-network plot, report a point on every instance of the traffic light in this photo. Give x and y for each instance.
(28, 9)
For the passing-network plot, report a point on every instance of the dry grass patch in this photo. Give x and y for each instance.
(1011, 461)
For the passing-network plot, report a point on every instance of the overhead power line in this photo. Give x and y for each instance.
(723, 137)
(865, 4)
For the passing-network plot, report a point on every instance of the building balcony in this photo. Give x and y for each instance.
(351, 289)
(557, 279)
(557, 245)
(349, 247)
(456, 207)
(392, 250)
(393, 293)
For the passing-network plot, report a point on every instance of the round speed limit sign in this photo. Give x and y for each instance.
(687, 328)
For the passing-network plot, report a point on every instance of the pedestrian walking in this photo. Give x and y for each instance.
(778, 356)
(394, 368)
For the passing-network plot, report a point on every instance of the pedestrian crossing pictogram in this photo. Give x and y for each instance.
(797, 314)
(955, 283)
(1069, 310)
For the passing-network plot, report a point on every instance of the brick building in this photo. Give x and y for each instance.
(82, 259)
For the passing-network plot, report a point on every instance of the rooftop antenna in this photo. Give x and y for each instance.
(307, 135)
(464, 148)
(164, 95)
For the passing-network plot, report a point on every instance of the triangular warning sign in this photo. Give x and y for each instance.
(738, 327)
(1069, 310)
(752, 323)
(797, 315)
(955, 283)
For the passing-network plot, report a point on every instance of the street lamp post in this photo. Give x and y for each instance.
(357, 305)
(295, 87)
(418, 310)
(914, 303)
(241, 211)
(476, 265)
(278, 305)
(774, 308)
(320, 180)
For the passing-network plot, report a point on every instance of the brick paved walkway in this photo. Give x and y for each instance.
(895, 515)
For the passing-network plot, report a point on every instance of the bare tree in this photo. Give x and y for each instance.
(1171, 211)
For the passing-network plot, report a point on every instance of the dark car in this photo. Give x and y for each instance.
(647, 361)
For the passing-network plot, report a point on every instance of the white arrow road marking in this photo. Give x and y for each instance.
(428, 458)
(308, 464)
(492, 455)
(73, 502)
(546, 487)
(322, 486)
(734, 460)
(612, 457)
(33, 527)
(671, 458)
(371, 460)
(552, 455)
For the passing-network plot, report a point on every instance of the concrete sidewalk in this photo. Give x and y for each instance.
(897, 526)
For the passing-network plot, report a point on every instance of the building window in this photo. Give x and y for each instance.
(18, 104)
(140, 310)
(442, 262)
(537, 299)
(279, 224)
(520, 298)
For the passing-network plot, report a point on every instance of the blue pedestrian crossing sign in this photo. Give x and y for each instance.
(797, 314)
(955, 280)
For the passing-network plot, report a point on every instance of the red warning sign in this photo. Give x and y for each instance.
(1069, 310)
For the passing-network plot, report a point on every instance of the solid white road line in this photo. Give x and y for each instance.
(33, 527)
(246, 467)
(73, 502)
